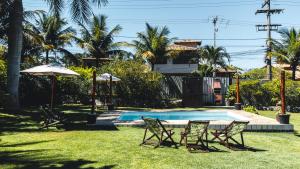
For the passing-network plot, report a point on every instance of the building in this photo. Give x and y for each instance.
(183, 58)
(194, 91)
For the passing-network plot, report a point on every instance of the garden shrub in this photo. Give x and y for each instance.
(67, 89)
(34, 90)
(260, 73)
(260, 94)
(73, 89)
(3, 77)
(138, 86)
(250, 109)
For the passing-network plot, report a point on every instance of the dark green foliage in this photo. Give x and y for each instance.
(205, 70)
(34, 90)
(74, 89)
(260, 73)
(250, 109)
(258, 93)
(138, 86)
(152, 44)
(67, 89)
(186, 57)
(3, 76)
(288, 49)
(98, 39)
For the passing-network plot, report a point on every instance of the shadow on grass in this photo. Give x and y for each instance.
(237, 147)
(32, 159)
(82, 126)
(210, 149)
(23, 144)
(29, 121)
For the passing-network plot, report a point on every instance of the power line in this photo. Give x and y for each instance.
(269, 27)
(215, 21)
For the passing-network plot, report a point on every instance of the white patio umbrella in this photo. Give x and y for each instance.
(106, 77)
(50, 70)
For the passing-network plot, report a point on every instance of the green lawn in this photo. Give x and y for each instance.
(23, 146)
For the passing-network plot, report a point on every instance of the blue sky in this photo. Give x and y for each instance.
(191, 19)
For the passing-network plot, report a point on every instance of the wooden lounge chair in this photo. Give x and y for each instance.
(195, 133)
(51, 118)
(234, 128)
(158, 131)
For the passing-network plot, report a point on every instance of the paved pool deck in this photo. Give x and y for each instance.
(256, 122)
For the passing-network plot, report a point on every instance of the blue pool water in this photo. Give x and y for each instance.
(179, 115)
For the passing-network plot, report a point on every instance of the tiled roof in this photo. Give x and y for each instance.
(188, 41)
(180, 47)
(222, 70)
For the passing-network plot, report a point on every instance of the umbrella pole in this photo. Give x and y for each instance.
(52, 92)
(110, 90)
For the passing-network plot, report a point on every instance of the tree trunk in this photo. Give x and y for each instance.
(47, 56)
(15, 42)
(294, 69)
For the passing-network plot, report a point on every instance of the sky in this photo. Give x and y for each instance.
(192, 19)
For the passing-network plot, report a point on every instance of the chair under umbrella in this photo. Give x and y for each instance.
(53, 71)
(105, 78)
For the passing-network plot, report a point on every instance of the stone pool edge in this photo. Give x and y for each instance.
(257, 123)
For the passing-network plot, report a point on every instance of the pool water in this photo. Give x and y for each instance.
(179, 115)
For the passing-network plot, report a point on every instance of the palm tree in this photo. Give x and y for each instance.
(51, 34)
(80, 10)
(288, 49)
(98, 40)
(153, 43)
(214, 56)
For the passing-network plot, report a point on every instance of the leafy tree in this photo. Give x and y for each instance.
(205, 70)
(153, 43)
(214, 57)
(80, 10)
(98, 40)
(51, 34)
(138, 86)
(288, 49)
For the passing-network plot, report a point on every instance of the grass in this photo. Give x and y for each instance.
(23, 146)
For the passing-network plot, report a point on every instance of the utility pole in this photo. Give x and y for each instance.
(215, 21)
(269, 27)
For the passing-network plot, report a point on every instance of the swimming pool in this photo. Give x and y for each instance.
(181, 115)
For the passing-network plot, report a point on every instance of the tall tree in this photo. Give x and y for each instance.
(51, 33)
(98, 40)
(15, 42)
(80, 10)
(214, 57)
(288, 49)
(153, 44)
